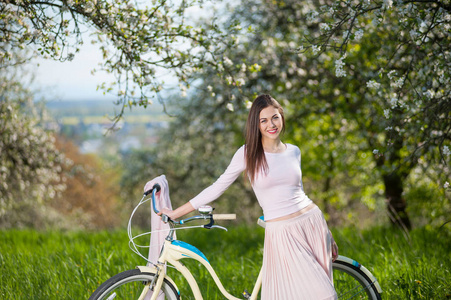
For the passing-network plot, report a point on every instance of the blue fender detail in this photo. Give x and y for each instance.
(354, 263)
(190, 248)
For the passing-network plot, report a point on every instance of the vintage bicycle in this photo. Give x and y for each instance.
(351, 279)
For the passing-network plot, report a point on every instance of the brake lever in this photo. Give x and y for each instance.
(164, 218)
(215, 226)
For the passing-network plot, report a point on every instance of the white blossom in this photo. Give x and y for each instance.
(358, 35)
(446, 151)
(388, 128)
(429, 94)
(227, 61)
(230, 106)
(336, 39)
(120, 25)
(387, 4)
(316, 49)
(413, 34)
(399, 83)
(324, 27)
(446, 185)
(387, 113)
(372, 84)
(345, 34)
(313, 14)
(339, 72)
(331, 11)
(209, 88)
(375, 151)
(393, 101)
(391, 74)
(248, 104)
(423, 27)
(243, 67)
(240, 82)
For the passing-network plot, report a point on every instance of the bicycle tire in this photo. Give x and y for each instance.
(131, 283)
(353, 281)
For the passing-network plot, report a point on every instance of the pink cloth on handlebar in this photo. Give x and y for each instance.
(159, 228)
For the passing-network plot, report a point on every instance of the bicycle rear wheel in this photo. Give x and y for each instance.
(353, 281)
(130, 285)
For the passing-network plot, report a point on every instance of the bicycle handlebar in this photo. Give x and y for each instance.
(224, 216)
(156, 188)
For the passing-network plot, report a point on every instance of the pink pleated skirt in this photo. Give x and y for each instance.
(297, 259)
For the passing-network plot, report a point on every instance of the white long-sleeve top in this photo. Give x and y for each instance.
(279, 191)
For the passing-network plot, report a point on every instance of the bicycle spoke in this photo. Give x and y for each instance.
(112, 296)
(355, 293)
(348, 286)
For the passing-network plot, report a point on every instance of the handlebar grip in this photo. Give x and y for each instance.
(224, 216)
(155, 186)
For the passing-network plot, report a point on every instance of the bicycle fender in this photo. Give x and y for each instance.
(365, 270)
(147, 269)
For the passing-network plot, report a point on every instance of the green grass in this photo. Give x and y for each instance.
(70, 265)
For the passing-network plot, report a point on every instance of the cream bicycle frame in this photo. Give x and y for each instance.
(174, 251)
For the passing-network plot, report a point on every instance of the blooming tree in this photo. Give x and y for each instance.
(400, 53)
(30, 164)
(371, 76)
(136, 39)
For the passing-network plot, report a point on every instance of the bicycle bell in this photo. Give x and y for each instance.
(205, 210)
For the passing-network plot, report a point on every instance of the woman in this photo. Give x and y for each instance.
(298, 245)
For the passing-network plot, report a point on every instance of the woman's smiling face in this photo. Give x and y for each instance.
(270, 123)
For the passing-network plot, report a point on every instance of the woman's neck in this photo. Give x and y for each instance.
(273, 146)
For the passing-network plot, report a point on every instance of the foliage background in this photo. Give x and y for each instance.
(372, 122)
(366, 90)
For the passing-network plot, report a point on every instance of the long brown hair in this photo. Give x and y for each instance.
(254, 154)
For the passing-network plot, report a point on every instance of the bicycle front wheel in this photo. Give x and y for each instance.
(132, 284)
(353, 281)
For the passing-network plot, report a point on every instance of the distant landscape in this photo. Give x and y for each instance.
(89, 125)
(98, 111)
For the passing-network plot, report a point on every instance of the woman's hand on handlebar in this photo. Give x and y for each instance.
(334, 250)
(168, 212)
(179, 212)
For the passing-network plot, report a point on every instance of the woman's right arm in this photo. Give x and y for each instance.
(211, 193)
(179, 212)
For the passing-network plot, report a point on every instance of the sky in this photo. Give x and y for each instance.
(72, 80)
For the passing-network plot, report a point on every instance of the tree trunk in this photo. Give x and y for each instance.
(396, 204)
(326, 188)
